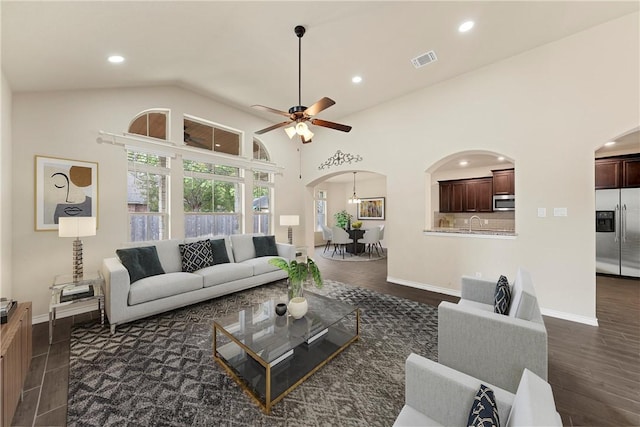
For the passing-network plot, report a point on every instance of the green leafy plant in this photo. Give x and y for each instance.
(342, 218)
(298, 273)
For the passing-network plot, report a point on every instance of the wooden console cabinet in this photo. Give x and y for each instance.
(15, 359)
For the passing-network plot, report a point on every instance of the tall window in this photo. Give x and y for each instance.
(321, 209)
(147, 196)
(200, 133)
(262, 192)
(212, 199)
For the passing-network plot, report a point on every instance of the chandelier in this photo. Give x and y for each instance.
(354, 199)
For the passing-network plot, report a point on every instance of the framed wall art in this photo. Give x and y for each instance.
(64, 188)
(371, 208)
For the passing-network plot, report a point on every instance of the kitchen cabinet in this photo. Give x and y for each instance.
(14, 359)
(618, 172)
(504, 182)
(466, 195)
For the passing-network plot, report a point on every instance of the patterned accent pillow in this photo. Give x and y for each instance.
(219, 251)
(502, 298)
(484, 411)
(140, 262)
(265, 246)
(196, 255)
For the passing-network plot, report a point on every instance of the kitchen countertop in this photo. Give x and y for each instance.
(465, 232)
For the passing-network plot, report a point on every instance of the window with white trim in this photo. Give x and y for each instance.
(148, 196)
(263, 188)
(212, 199)
(320, 209)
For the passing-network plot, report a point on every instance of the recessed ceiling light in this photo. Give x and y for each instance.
(466, 26)
(610, 143)
(463, 163)
(218, 145)
(501, 158)
(356, 79)
(116, 59)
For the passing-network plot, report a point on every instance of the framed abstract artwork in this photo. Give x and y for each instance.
(371, 208)
(64, 188)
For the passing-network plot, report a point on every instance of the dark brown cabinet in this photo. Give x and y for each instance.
(504, 182)
(618, 172)
(466, 195)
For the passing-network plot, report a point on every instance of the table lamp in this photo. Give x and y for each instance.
(290, 220)
(77, 227)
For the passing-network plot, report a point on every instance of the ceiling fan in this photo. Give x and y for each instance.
(298, 114)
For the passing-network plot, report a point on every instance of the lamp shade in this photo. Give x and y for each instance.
(289, 220)
(77, 226)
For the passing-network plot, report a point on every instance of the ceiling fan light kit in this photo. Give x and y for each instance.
(299, 114)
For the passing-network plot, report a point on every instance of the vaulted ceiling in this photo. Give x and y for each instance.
(244, 53)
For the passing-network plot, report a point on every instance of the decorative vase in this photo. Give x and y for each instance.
(296, 288)
(298, 307)
(281, 309)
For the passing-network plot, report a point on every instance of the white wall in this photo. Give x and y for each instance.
(66, 124)
(6, 234)
(547, 109)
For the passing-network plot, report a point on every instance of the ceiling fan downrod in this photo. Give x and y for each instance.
(300, 30)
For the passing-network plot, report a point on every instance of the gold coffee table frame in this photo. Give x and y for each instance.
(270, 400)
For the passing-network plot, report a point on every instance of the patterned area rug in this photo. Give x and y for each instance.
(160, 371)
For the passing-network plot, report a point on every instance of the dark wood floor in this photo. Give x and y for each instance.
(594, 371)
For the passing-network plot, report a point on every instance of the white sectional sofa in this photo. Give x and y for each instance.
(126, 301)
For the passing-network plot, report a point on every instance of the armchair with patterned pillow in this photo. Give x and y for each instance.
(475, 339)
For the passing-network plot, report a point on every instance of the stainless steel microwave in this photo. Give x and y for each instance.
(505, 202)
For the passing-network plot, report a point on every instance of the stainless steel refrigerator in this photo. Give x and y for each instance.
(618, 231)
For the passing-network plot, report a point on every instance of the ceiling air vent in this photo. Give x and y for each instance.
(424, 59)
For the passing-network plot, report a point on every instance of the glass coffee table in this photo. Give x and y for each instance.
(270, 355)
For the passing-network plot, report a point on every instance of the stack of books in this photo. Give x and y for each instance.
(7, 306)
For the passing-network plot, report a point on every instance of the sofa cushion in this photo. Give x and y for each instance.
(533, 404)
(261, 265)
(484, 411)
(242, 245)
(219, 251)
(265, 246)
(410, 417)
(224, 273)
(162, 286)
(196, 255)
(476, 305)
(502, 298)
(140, 262)
(523, 297)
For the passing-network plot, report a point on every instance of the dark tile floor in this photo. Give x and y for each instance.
(594, 371)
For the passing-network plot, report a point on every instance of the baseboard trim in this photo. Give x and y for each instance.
(424, 287)
(591, 321)
(62, 313)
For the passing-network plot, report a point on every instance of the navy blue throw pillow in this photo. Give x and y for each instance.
(502, 298)
(265, 246)
(140, 262)
(219, 249)
(484, 411)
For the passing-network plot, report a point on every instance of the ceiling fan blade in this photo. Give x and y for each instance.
(270, 128)
(323, 104)
(332, 125)
(271, 110)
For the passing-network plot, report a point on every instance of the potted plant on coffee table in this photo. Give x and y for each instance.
(299, 273)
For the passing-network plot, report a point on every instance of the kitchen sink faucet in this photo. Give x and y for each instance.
(471, 221)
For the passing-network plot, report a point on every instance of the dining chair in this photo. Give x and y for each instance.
(328, 236)
(340, 240)
(381, 237)
(371, 238)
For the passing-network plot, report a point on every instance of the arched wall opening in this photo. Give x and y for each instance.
(337, 188)
(452, 198)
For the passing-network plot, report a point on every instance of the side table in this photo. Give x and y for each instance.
(65, 292)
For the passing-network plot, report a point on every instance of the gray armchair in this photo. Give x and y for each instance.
(436, 395)
(493, 347)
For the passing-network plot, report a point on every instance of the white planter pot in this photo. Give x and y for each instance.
(298, 307)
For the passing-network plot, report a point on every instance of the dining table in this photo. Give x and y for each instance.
(355, 248)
